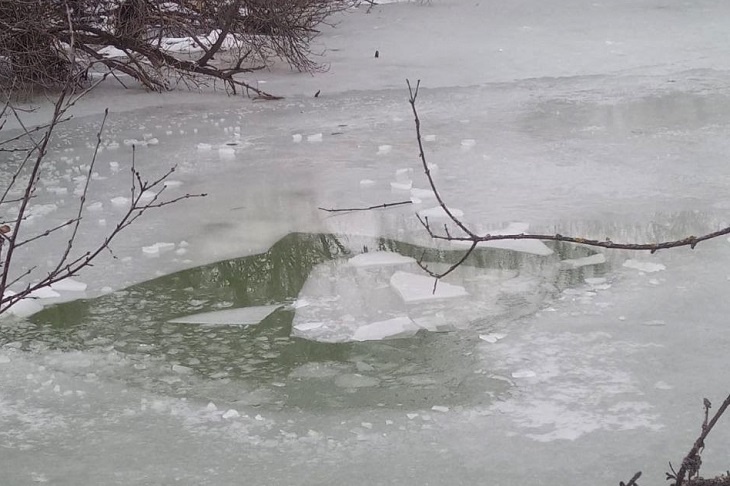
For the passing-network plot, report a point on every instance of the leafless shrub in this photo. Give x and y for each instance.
(15, 199)
(216, 39)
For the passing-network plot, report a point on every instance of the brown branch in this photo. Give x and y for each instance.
(692, 461)
(632, 481)
(378, 206)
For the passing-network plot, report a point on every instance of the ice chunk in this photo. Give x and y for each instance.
(596, 259)
(204, 146)
(429, 138)
(468, 143)
(244, 316)
(439, 213)
(44, 293)
(402, 186)
(226, 152)
(308, 326)
(367, 182)
(435, 323)
(418, 288)
(647, 267)
(523, 374)
(317, 137)
(423, 193)
(231, 414)
(440, 408)
(398, 327)
(153, 141)
(25, 308)
(69, 285)
(97, 206)
(296, 138)
(384, 149)
(492, 337)
(379, 258)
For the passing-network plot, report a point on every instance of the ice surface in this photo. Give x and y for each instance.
(244, 316)
(642, 266)
(379, 258)
(398, 327)
(414, 288)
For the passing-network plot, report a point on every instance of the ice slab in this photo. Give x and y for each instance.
(398, 327)
(317, 137)
(418, 288)
(68, 285)
(535, 247)
(648, 267)
(379, 258)
(244, 316)
(401, 186)
(596, 259)
(423, 193)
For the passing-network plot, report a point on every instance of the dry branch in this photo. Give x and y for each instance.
(475, 239)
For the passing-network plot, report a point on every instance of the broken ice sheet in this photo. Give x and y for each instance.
(417, 288)
(398, 327)
(244, 316)
(379, 258)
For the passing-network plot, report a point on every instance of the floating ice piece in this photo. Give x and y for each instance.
(647, 267)
(231, 414)
(69, 285)
(417, 288)
(492, 337)
(596, 259)
(204, 146)
(59, 191)
(435, 323)
(296, 138)
(367, 182)
(429, 138)
(114, 165)
(403, 174)
(398, 327)
(97, 206)
(423, 193)
(355, 380)
(379, 258)
(402, 186)
(25, 307)
(595, 281)
(226, 152)
(317, 137)
(153, 141)
(244, 316)
(439, 213)
(44, 293)
(384, 149)
(112, 145)
(157, 248)
(468, 142)
(523, 374)
(440, 408)
(120, 201)
(308, 326)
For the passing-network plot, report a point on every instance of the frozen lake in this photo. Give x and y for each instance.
(235, 339)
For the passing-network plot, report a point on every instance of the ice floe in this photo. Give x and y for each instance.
(244, 316)
(419, 288)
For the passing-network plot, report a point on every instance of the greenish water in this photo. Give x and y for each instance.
(134, 324)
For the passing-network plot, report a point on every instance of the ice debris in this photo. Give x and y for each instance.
(398, 327)
(418, 288)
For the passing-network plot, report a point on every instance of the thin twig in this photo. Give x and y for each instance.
(378, 206)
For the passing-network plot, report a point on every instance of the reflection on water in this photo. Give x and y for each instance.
(293, 372)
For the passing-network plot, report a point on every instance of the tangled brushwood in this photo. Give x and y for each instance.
(159, 43)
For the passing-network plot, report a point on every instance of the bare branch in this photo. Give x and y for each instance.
(378, 206)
